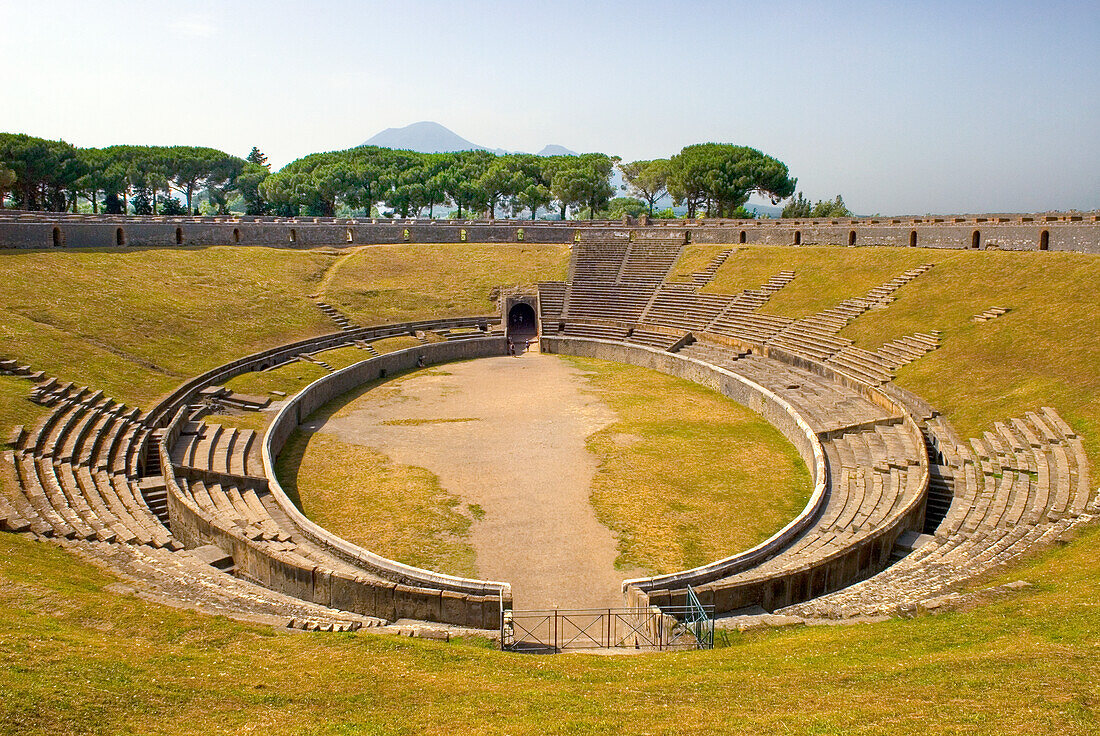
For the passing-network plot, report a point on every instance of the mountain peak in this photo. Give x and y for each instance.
(428, 136)
(425, 136)
(554, 149)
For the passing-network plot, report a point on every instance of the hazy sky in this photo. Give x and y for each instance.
(901, 107)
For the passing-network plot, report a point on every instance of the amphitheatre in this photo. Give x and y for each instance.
(267, 472)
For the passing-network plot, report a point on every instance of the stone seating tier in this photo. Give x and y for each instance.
(218, 449)
(186, 576)
(1022, 485)
(551, 299)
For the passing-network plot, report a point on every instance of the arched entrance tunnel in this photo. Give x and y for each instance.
(522, 324)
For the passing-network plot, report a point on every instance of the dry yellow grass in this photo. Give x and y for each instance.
(76, 658)
(824, 276)
(399, 511)
(694, 258)
(379, 285)
(686, 475)
(136, 323)
(289, 378)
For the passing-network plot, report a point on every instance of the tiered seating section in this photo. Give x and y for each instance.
(89, 476)
(73, 472)
(1020, 486)
(221, 449)
(77, 484)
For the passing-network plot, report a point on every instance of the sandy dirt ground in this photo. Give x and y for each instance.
(520, 455)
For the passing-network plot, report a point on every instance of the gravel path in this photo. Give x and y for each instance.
(521, 457)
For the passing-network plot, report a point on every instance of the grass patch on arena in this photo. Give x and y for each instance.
(77, 658)
(398, 511)
(686, 476)
(380, 285)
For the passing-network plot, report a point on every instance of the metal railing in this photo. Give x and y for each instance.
(556, 630)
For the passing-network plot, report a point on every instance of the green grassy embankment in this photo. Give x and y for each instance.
(137, 323)
(1042, 353)
(694, 258)
(76, 658)
(377, 285)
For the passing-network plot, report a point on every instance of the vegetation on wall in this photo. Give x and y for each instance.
(799, 206)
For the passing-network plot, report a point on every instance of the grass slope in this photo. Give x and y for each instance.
(693, 259)
(136, 323)
(76, 658)
(686, 476)
(1043, 352)
(378, 285)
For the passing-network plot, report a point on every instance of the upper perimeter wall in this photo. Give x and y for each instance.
(1056, 232)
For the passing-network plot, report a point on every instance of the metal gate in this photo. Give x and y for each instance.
(680, 627)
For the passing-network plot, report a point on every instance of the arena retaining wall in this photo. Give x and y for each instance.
(399, 591)
(1047, 231)
(163, 410)
(320, 392)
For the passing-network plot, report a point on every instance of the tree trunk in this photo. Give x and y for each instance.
(190, 189)
(563, 211)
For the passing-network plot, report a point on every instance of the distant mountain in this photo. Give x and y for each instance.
(429, 137)
(555, 150)
(425, 137)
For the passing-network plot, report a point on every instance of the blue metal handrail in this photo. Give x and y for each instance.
(699, 622)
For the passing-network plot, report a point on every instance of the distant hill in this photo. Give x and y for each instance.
(430, 137)
(555, 150)
(425, 137)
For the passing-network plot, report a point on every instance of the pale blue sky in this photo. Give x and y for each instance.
(901, 107)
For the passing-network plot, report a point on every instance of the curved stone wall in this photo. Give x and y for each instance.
(749, 394)
(386, 588)
(329, 387)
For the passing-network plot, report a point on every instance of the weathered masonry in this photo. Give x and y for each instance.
(1078, 232)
